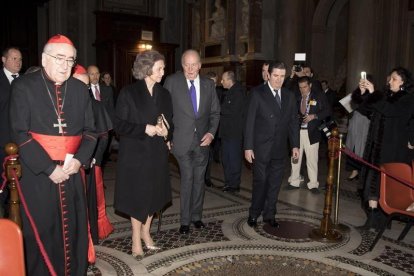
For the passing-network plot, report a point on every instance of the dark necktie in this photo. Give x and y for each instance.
(193, 97)
(97, 93)
(277, 97)
(14, 76)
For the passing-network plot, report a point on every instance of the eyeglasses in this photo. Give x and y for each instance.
(60, 60)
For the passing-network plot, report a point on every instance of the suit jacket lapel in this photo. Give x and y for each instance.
(284, 97)
(271, 99)
(201, 105)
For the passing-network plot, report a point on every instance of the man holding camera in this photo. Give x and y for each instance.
(298, 71)
(313, 107)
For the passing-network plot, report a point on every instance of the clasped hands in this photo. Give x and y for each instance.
(151, 130)
(61, 174)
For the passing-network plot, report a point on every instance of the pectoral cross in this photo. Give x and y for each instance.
(60, 125)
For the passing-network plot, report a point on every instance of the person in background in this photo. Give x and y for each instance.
(56, 138)
(100, 226)
(291, 83)
(231, 131)
(144, 124)
(330, 94)
(196, 117)
(104, 94)
(312, 108)
(390, 136)
(106, 79)
(358, 127)
(12, 64)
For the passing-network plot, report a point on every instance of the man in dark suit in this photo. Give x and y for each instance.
(329, 93)
(231, 131)
(271, 121)
(105, 95)
(12, 63)
(196, 112)
(312, 108)
(101, 93)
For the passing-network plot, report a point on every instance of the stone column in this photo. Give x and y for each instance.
(361, 51)
(290, 30)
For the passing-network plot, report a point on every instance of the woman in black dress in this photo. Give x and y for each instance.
(144, 124)
(390, 136)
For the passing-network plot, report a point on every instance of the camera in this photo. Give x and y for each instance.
(327, 127)
(297, 68)
(300, 59)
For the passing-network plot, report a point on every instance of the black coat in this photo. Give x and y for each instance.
(268, 128)
(4, 114)
(142, 181)
(232, 113)
(391, 128)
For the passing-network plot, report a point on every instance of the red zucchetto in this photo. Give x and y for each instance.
(60, 39)
(79, 69)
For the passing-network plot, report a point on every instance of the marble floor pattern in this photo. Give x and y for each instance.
(228, 246)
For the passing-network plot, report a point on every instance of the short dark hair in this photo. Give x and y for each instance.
(324, 81)
(144, 62)
(304, 79)
(231, 76)
(276, 65)
(6, 51)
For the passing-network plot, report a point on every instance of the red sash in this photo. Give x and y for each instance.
(58, 146)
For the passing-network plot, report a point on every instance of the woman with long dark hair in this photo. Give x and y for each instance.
(390, 136)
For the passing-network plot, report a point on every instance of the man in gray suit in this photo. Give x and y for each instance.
(196, 114)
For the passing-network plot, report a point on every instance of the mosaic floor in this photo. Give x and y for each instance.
(228, 246)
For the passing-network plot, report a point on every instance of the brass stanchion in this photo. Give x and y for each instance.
(326, 232)
(13, 164)
(339, 226)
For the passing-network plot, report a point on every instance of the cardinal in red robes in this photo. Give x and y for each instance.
(52, 121)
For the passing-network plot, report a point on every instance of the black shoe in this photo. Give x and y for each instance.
(373, 218)
(271, 222)
(315, 191)
(184, 229)
(227, 189)
(290, 188)
(199, 224)
(252, 222)
(209, 183)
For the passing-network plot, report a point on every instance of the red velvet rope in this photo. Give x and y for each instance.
(351, 154)
(32, 223)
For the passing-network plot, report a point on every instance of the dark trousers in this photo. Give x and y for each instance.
(231, 158)
(267, 179)
(192, 171)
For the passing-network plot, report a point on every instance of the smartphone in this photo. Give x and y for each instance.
(363, 75)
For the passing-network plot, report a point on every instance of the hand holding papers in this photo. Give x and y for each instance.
(346, 103)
